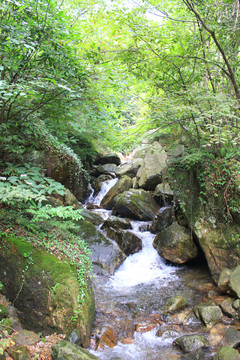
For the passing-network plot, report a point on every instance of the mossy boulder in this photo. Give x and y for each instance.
(136, 204)
(208, 313)
(124, 184)
(189, 343)
(175, 244)
(44, 289)
(227, 353)
(64, 350)
(219, 240)
(106, 254)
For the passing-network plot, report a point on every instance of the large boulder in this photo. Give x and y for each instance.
(44, 289)
(116, 223)
(219, 240)
(163, 219)
(124, 184)
(106, 255)
(136, 204)
(163, 194)
(175, 244)
(227, 353)
(151, 172)
(234, 282)
(131, 168)
(64, 350)
(108, 169)
(128, 242)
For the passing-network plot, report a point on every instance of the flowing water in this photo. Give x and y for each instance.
(135, 298)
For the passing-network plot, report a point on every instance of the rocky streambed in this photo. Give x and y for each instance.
(153, 307)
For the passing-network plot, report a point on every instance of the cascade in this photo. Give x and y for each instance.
(130, 303)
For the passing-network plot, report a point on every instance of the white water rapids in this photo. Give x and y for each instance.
(140, 287)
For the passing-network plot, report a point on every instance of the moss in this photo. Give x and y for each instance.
(44, 288)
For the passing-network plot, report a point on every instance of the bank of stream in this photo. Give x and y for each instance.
(131, 322)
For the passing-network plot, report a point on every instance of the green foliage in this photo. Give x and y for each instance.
(26, 184)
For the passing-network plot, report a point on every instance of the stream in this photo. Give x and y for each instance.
(130, 304)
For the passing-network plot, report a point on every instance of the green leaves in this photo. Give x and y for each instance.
(27, 185)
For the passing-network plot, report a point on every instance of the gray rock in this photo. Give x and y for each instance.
(163, 219)
(195, 355)
(175, 244)
(227, 308)
(128, 242)
(136, 204)
(227, 353)
(124, 184)
(224, 278)
(234, 282)
(106, 255)
(209, 314)
(108, 169)
(163, 194)
(64, 350)
(189, 343)
(231, 338)
(116, 223)
(155, 161)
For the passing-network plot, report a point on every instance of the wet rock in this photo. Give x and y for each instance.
(195, 355)
(163, 194)
(175, 244)
(92, 217)
(116, 223)
(216, 333)
(163, 219)
(108, 338)
(231, 337)
(19, 352)
(234, 282)
(150, 174)
(136, 204)
(64, 350)
(128, 242)
(189, 343)
(224, 278)
(146, 326)
(176, 303)
(124, 184)
(227, 353)
(179, 318)
(106, 255)
(209, 314)
(166, 332)
(97, 183)
(227, 308)
(108, 169)
(108, 159)
(25, 337)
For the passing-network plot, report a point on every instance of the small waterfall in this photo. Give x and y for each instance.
(106, 186)
(146, 266)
